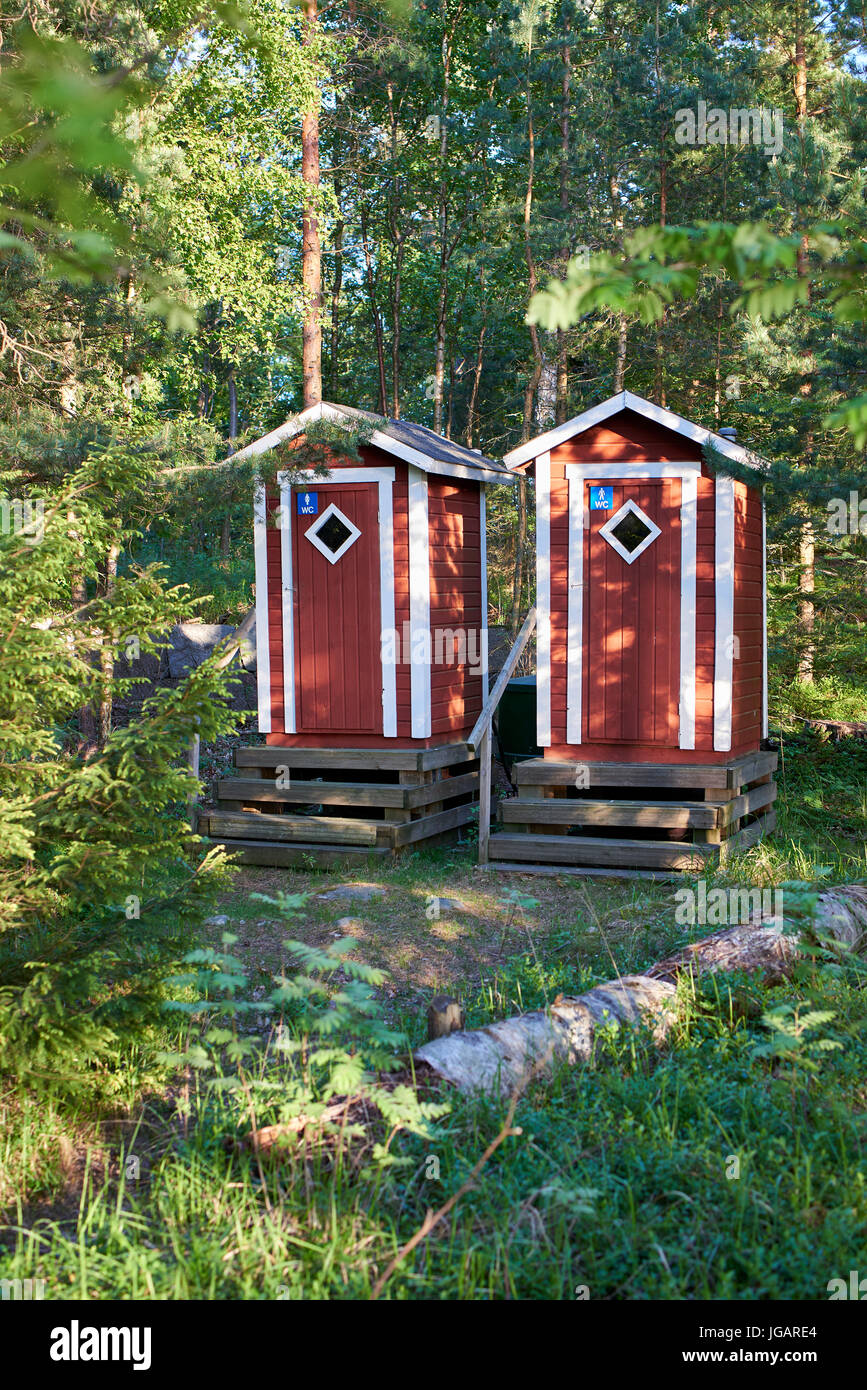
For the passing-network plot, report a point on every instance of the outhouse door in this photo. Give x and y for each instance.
(337, 552)
(631, 552)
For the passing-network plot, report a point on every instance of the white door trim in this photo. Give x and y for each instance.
(724, 593)
(419, 603)
(543, 600)
(688, 471)
(263, 649)
(384, 477)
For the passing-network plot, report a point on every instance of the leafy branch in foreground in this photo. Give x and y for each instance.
(660, 265)
(318, 1034)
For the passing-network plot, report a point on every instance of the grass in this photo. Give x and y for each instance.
(621, 1180)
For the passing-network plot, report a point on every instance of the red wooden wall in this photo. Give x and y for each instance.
(455, 601)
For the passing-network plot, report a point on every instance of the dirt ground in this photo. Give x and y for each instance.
(436, 922)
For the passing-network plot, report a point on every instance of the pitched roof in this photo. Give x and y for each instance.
(413, 443)
(627, 400)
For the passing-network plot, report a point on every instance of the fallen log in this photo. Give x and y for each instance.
(501, 1057)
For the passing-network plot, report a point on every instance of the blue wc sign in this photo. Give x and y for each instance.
(308, 503)
(601, 499)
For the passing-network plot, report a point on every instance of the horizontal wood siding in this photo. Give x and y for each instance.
(747, 665)
(705, 612)
(454, 539)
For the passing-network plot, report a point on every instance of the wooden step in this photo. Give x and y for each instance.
(572, 849)
(314, 793)
(272, 854)
(660, 815)
(382, 794)
(240, 825)
(376, 759)
(507, 866)
(735, 774)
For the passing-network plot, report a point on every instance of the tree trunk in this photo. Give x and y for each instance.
(562, 405)
(311, 253)
(106, 656)
(336, 288)
(374, 308)
(442, 296)
(503, 1056)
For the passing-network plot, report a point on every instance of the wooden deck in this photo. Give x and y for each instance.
(303, 806)
(677, 817)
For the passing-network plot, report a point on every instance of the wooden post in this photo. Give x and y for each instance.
(193, 798)
(444, 1016)
(484, 795)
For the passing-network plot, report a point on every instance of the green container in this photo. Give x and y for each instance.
(516, 720)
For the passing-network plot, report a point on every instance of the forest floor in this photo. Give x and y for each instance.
(729, 1164)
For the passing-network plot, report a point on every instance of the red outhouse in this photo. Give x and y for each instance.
(371, 635)
(652, 637)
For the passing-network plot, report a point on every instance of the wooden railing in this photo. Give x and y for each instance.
(480, 738)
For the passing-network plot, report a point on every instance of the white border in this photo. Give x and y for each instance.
(419, 602)
(724, 581)
(629, 507)
(543, 600)
(764, 620)
(483, 541)
(384, 477)
(312, 534)
(688, 471)
(263, 646)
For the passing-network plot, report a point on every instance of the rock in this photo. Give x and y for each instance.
(360, 892)
(450, 904)
(220, 921)
(346, 924)
(193, 643)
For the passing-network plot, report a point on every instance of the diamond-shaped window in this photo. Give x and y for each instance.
(332, 534)
(630, 531)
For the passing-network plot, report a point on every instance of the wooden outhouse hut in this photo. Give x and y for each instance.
(371, 641)
(651, 645)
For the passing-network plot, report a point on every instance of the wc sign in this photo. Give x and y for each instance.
(601, 499)
(308, 503)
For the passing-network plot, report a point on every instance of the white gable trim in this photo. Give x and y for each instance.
(578, 475)
(419, 603)
(263, 648)
(324, 411)
(626, 400)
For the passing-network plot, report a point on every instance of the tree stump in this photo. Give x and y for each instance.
(444, 1016)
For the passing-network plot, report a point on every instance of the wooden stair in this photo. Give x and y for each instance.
(303, 806)
(681, 817)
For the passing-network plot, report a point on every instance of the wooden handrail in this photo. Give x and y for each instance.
(502, 680)
(480, 738)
